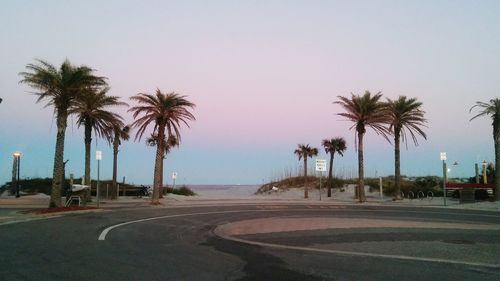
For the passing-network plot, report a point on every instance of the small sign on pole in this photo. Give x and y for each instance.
(98, 155)
(320, 165)
(443, 156)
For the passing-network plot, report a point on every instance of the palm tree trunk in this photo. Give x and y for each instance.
(330, 175)
(115, 167)
(397, 163)
(55, 195)
(496, 138)
(158, 165)
(161, 177)
(361, 170)
(88, 141)
(306, 189)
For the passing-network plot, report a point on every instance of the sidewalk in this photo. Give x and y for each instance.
(11, 208)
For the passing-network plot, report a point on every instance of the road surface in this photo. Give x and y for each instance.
(182, 244)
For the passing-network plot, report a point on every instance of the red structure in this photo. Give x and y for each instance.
(456, 185)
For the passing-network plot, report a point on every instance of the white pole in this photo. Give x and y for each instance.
(97, 190)
(320, 175)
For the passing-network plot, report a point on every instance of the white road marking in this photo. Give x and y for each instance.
(349, 253)
(105, 232)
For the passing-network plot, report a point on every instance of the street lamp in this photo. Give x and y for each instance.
(17, 155)
(445, 176)
(98, 157)
(485, 178)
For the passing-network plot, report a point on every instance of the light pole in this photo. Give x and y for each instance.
(17, 155)
(98, 157)
(445, 171)
(485, 178)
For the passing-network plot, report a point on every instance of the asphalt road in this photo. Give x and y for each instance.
(180, 244)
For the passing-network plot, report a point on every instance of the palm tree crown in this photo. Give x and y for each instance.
(406, 116)
(91, 110)
(335, 145)
(365, 111)
(60, 87)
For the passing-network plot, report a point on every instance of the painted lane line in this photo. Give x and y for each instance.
(105, 232)
(221, 234)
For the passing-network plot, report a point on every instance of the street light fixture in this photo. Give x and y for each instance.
(17, 155)
(485, 178)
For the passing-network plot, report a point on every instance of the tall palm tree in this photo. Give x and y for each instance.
(169, 143)
(91, 109)
(59, 88)
(364, 111)
(406, 116)
(304, 151)
(492, 109)
(332, 146)
(167, 111)
(120, 132)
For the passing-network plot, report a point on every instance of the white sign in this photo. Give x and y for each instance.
(320, 165)
(443, 156)
(174, 175)
(98, 155)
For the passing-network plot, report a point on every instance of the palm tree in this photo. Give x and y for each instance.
(493, 109)
(406, 117)
(91, 111)
(120, 132)
(364, 111)
(59, 88)
(305, 151)
(167, 111)
(169, 143)
(332, 146)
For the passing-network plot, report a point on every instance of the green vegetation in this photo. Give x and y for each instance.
(296, 182)
(183, 190)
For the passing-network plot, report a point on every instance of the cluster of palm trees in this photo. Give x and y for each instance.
(399, 118)
(76, 90)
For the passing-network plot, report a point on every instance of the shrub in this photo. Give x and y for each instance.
(183, 190)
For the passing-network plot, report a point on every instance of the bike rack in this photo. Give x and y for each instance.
(74, 198)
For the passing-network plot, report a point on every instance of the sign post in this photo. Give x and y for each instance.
(98, 157)
(445, 171)
(320, 168)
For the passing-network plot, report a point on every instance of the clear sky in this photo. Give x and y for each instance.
(264, 76)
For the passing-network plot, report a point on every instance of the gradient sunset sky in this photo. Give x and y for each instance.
(264, 76)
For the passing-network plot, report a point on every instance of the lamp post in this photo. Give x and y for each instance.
(485, 178)
(445, 172)
(98, 157)
(17, 155)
